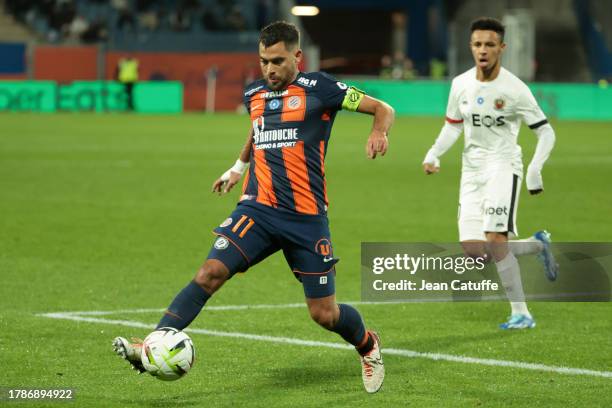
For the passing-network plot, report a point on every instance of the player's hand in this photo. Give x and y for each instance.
(431, 164)
(230, 178)
(377, 143)
(226, 182)
(431, 168)
(534, 181)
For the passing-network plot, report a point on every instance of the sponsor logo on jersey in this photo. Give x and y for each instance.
(276, 135)
(221, 243)
(496, 210)
(324, 247)
(480, 100)
(227, 222)
(487, 120)
(272, 139)
(499, 103)
(252, 91)
(275, 94)
(307, 82)
(294, 102)
(274, 104)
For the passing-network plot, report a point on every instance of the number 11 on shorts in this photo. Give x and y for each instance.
(246, 227)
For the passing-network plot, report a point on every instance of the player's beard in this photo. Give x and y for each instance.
(280, 84)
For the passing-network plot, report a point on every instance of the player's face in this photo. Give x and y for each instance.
(279, 65)
(486, 49)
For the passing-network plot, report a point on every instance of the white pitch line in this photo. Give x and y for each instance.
(310, 343)
(218, 308)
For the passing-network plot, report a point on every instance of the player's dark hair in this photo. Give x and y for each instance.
(280, 31)
(488, 23)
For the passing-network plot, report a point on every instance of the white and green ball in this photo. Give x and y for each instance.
(167, 354)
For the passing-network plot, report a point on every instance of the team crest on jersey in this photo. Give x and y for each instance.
(294, 102)
(227, 222)
(499, 103)
(274, 104)
(480, 100)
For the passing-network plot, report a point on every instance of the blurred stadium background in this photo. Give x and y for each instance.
(196, 55)
(106, 211)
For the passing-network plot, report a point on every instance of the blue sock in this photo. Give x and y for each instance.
(185, 307)
(350, 326)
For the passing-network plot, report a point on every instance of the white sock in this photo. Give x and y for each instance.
(528, 246)
(510, 276)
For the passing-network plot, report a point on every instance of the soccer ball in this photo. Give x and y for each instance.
(167, 354)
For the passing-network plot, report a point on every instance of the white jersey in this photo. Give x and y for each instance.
(491, 113)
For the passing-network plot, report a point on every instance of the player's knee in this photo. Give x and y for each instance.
(324, 316)
(474, 250)
(497, 237)
(211, 276)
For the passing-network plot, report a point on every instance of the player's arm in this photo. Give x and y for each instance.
(546, 142)
(448, 135)
(384, 115)
(446, 139)
(233, 175)
(532, 115)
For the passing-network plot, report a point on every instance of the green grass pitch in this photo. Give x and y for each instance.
(114, 212)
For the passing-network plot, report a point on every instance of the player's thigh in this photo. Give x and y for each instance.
(470, 215)
(307, 246)
(500, 203)
(243, 240)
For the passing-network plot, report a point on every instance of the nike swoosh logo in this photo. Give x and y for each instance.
(256, 106)
(328, 259)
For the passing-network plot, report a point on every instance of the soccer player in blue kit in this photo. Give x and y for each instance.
(284, 200)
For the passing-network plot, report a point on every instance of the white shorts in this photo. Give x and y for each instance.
(488, 202)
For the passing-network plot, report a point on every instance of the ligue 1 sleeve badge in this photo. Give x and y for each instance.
(499, 103)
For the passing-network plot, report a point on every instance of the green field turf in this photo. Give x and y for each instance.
(114, 212)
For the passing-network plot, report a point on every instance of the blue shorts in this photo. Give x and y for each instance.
(255, 231)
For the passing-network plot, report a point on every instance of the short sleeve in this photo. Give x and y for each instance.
(336, 95)
(528, 109)
(453, 114)
(249, 91)
(247, 102)
(331, 92)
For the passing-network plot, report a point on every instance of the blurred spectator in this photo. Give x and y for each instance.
(149, 20)
(210, 21)
(235, 20)
(126, 16)
(96, 32)
(78, 26)
(399, 67)
(262, 13)
(386, 67)
(144, 5)
(437, 69)
(59, 19)
(180, 20)
(19, 8)
(408, 71)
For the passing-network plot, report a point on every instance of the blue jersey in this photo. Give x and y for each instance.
(291, 130)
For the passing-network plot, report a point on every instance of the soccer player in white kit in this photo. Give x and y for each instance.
(488, 104)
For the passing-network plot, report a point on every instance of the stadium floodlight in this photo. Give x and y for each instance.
(304, 11)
